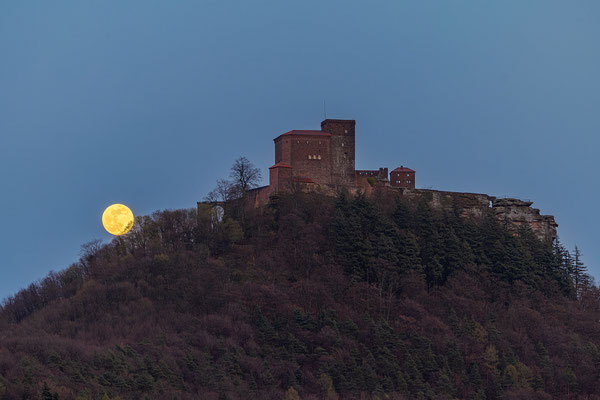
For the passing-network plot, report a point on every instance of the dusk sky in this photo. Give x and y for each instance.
(148, 103)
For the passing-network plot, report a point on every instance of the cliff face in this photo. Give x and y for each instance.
(519, 212)
(474, 205)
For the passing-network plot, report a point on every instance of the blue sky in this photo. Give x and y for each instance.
(147, 103)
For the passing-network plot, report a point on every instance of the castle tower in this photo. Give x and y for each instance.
(342, 150)
(306, 152)
(280, 177)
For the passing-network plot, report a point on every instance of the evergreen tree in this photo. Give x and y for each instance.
(453, 322)
(570, 379)
(480, 395)
(402, 215)
(369, 373)
(579, 273)
(444, 384)
(412, 374)
(474, 376)
(46, 394)
(455, 359)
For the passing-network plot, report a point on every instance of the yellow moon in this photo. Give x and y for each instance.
(117, 219)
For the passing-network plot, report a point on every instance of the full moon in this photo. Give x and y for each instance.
(117, 219)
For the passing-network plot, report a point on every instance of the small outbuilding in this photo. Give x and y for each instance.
(403, 177)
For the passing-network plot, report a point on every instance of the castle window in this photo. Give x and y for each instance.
(309, 157)
(314, 157)
(342, 144)
(345, 130)
(319, 156)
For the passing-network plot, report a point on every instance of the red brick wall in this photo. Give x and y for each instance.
(278, 150)
(280, 178)
(283, 149)
(342, 150)
(402, 179)
(317, 167)
(376, 173)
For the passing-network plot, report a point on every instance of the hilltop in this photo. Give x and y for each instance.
(310, 297)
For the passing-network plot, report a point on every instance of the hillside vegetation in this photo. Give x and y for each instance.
(310, 298)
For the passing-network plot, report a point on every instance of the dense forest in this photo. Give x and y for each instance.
(311, 297)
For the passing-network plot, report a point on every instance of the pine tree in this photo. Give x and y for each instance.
(46, 394)
(474, 376)
(570, 379)
(408, 252)
(444, 384)
(455, 359)
(369, 373)
(580, 277)
(453, 322)
(434, 272)
(413, 376)
(402, 216)
(265, 329)
(568, 262)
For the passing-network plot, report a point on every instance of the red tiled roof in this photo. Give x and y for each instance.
(306, 133)
(403, 169)
(302, 180)
(280, 165)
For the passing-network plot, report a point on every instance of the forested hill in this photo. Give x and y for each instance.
(310, 298)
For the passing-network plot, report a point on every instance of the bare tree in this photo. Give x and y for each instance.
(244, 175)
(224, 191)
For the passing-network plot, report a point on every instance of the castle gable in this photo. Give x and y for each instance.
(297, 132)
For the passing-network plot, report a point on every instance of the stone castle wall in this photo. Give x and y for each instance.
(311, 158)
(342, 150)
(470, 205)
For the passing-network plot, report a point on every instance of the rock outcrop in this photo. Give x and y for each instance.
(474, 205)
(519, 212)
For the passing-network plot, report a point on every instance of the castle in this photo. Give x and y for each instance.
(324, 161)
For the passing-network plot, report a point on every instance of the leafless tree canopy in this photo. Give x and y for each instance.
(224, 191)
(244, 174)
(243, 177)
